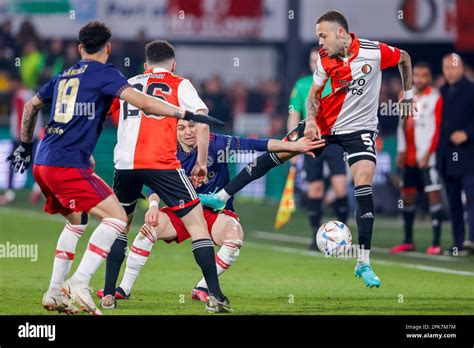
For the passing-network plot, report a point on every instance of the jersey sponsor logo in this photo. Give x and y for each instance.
(355, 86)
(366, 69)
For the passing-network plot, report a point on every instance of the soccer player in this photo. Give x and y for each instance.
(347, 117)
(333, 156)
(225, 228)
(146, 154)
(81, 96)
(417, 143)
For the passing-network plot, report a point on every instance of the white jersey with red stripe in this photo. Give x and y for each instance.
(148, 141)
(420, 134)
(353, 104)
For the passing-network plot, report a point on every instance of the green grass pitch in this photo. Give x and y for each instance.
(274, 273)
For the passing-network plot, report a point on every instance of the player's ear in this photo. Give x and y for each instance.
(173, 69)
(80, 49)
(108, 48)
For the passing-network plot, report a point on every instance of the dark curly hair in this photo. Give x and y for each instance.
(94, 36)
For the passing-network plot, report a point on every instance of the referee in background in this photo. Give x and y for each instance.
(455, 154)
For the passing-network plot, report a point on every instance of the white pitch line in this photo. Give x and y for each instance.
(309, 253)
(306, 241)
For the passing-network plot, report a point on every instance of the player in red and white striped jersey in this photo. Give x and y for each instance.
(146, 154)
(348, 117)
(417, 141)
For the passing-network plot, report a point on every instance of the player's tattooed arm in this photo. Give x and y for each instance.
(406, 106)
(313, 101)
(405, 70)
(29, 117)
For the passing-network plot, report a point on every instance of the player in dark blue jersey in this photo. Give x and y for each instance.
(81, 96)
(225, 228)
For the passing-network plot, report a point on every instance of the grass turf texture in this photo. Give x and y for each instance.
(269, 277)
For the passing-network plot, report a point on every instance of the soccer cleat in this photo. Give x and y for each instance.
(215, 306)
(210, 200)
(108, 302)
(364, 271)
(80, 295)
(119, 294)
(200, 294)
(434, 250)
(402, 248)
(58, 303)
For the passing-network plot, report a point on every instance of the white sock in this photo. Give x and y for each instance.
(364, 256)
(98, 248)
(223, 195)
(225, 257)
(137, 257)
(64, 256)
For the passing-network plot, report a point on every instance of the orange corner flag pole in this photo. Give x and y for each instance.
(287, 202)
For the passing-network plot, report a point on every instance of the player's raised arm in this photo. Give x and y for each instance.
(155, 106)
(406, 106)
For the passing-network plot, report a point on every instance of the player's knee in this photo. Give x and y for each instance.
(147, 233)
(234, 231)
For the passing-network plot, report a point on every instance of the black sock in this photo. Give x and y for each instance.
(203, 250)
(314, 213)
(408, 218)
(258, 168)
(113, 263)
(436, 211)
(341, 209)
(364, 215)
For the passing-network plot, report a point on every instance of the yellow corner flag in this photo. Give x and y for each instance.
(287, 202)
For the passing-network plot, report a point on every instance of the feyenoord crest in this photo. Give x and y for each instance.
(366, 69)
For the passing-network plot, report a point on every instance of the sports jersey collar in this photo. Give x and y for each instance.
(156, 71)
(353, 48)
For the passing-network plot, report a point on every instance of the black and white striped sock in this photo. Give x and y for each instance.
(364, 214)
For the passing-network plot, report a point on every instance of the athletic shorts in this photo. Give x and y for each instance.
(182, 233)
(415, 179)
(357, 146)
(333, 155)
(171, 185)
(69, 190)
